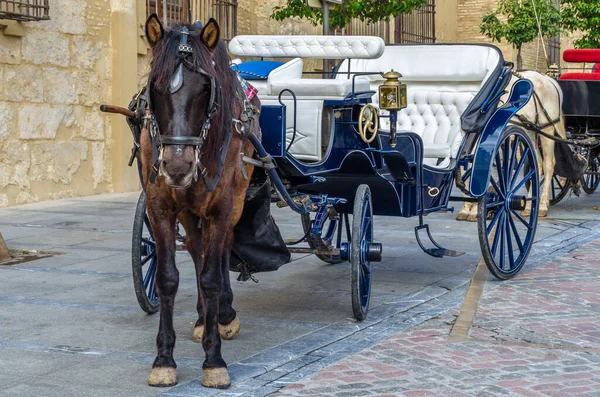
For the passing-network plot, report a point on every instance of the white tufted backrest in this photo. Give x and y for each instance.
(320, 47)
(441, 82)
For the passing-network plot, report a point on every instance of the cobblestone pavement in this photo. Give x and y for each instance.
(537, 335)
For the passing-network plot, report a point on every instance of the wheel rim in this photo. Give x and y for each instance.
(149, 262)
(362, 237)
(559, 188)
(509, 234)
(366, 237)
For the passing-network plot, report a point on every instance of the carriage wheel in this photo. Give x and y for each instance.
(590, 182)
(559, 188)
(331, 236)
(505, 235)
(360, 261)
(143, 259)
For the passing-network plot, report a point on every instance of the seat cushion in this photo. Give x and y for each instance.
(256, 70)
(580, 76)
(318, 88)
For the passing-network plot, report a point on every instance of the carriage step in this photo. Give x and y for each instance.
(442, 252)
(439, 251)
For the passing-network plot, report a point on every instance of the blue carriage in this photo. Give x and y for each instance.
(390, 132)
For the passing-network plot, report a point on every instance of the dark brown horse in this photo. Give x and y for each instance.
(192, 171)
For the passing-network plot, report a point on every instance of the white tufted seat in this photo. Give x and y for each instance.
(310, 93)
(441, 82)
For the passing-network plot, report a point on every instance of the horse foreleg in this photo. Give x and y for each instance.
(167, 281)
(210, 280)
(548, 162)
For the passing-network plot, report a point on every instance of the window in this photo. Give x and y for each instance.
(186, 11)
(24, 10)
(418, 26)
(169, 11)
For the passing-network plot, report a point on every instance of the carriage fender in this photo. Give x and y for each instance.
(491, 134)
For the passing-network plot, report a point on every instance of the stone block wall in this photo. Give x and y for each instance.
(54, 142)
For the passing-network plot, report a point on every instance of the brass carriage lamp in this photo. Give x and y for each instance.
(553, 71)
(392, 97)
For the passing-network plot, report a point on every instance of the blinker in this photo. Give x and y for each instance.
(177, 78)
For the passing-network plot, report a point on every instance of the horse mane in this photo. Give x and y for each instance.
(165, 58)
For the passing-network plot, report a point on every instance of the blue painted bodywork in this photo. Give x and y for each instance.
(350, 161)
(488, 144)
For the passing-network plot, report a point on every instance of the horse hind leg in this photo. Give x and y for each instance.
(465, 211)
(229, 324)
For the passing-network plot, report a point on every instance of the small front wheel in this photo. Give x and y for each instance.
(506, 229)
(143, 259)
(360, 261)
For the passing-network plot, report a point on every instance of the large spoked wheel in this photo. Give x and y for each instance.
(330, 238)
(590, 180)
(360, 263)
(144, 261)
(505, 234)
(559, 188)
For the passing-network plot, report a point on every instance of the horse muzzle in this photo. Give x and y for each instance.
(177, 167)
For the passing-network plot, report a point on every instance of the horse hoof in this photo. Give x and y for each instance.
(227, 332)
(542, 213)
(217, 378)
(163, 377)
(230, 330)
(472, 218)
(525, 213)
(198, 333)
(461, 217)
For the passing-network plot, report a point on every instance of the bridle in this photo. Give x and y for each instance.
(159, 141)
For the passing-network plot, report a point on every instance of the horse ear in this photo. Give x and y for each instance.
(154, 30)
(210, 34)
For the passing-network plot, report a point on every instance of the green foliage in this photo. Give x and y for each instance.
(340, 16)
(515, 21)
(583, 15)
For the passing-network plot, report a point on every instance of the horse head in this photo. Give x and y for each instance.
(184, 98)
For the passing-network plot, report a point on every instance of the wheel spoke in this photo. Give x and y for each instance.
(146, 259)
(525, 179)
(149, 273)
(365, 269)
(512, 161)
(494, 204)
(511, 221)
(148, 242)
(500, 173)
(494, 220)
(527, 224)
(557, 179)
(511, 256)
(497, 235)
(519, 166)
(495, 185)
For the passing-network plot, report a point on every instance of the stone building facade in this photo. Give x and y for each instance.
(54, 74)
(54, 142)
